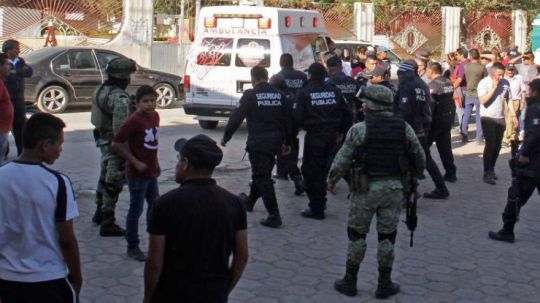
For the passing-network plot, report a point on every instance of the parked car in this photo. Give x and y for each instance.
(349, 48)
(69, 75)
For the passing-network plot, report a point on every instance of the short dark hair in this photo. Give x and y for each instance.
(259, 73)
(498, 65)
(435, 67)
(3, 58)
(143, 91)
(9, 45)
(372, 57)
(463, 51)
(41, 126)
(286, 60)
(474, 54)
(535, 86)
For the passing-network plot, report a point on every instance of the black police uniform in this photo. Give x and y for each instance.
(322, 111)
(527, 177)
(414, 102)
(287, 165)
(267, 117)
(443, 113)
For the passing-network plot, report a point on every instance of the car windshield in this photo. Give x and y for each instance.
(40, 54)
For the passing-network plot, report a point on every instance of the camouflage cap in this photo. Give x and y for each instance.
(121, 68)
(377, 97)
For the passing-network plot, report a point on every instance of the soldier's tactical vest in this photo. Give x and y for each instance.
(101, 113)
(385, 146)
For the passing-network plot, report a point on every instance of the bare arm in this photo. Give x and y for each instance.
(154, 265)
(457, 83)
(70, 251)
(486, 97)
(516, 59)
(240, 257)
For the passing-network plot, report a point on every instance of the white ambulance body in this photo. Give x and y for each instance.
(230, 40)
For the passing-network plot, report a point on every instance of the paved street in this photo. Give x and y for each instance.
(452, 259)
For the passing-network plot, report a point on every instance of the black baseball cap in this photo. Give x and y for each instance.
(200, 150)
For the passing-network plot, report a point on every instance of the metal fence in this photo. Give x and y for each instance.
(486, 30)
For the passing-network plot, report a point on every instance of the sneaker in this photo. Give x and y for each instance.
(299, 187)
(112, 230)
(136, 254)
(387, 291)
(450, 178)
(272, 221)
(346, 287)
(437, 193)
(244, 199)
(489, 178)
(280, 177)
(502, 235)
(308, 213)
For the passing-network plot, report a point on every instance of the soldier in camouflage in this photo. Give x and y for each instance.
(379, 152)
(110, 109)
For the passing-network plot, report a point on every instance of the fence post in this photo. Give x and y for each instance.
(364, 21)
(451, 24)
(519, 29)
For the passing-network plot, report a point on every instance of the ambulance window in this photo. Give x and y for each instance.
(215, 52)
(253, 52)
(319, 45)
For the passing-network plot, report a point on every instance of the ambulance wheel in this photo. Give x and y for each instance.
(208, 124)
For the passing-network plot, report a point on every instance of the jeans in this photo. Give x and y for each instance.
(470, 102)
(493, 134)
(139, 189)
(4, 144)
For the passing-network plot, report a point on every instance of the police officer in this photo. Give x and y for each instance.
(336, 77)
(322, 111)
(110, 109)
(267, 116)
(287, 166)
(379, 76)
(443, 112)
(381, 146)
(414, 105)
(526, 173)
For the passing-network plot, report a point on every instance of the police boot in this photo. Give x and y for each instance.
(438, 193)
(506, 234)
(299, 186)
(109, 228)
(98, 216)
(386, 287)
(347, 285)
(273, 221)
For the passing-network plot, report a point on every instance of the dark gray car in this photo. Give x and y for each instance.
(69, 75)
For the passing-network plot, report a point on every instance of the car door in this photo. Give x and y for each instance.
(82, 73)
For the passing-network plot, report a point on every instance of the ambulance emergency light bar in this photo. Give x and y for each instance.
(262, 23)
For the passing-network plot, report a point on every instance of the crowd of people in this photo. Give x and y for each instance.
(359, 126)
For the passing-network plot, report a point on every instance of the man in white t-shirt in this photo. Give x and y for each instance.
(39, 254)
(493, 92)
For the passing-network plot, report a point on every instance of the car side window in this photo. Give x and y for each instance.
(61, 62)
(393, 58)
(104, 58)
(81, 59)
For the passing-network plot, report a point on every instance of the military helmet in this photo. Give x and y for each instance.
(377, 97)
(121, 68)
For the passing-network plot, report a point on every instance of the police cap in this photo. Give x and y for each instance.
(201, 151)
(121, 68)
(317, 71)
(377, 97)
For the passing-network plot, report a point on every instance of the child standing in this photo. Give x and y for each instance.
(140, 132)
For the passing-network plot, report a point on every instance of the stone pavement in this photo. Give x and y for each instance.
(452, 259)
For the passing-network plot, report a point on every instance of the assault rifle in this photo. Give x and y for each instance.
(411, 196)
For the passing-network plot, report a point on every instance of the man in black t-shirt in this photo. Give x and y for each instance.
(193, 231)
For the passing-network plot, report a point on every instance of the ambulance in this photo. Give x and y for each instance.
(230, 40)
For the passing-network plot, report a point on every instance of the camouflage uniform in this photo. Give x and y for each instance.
(383, 196)
(110, 109)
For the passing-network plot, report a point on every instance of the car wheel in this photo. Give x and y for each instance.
(53, 99)
(166, 95)
(208, 124)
